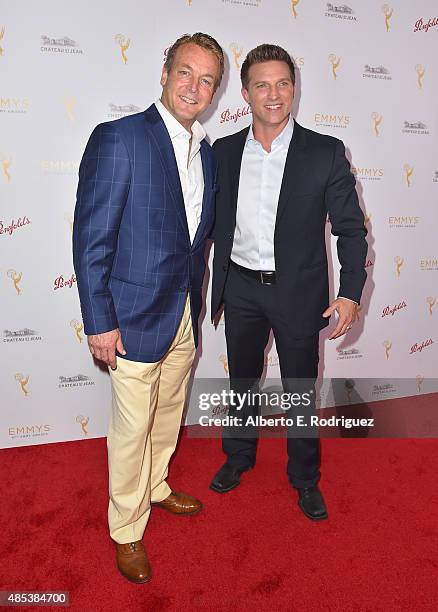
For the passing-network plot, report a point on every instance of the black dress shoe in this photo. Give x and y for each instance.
(312, 503)
(227, 478)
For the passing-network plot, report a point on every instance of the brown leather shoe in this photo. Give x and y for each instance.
(180, 503)
(132, 562)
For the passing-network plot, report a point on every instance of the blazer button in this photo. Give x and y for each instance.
(224, 268)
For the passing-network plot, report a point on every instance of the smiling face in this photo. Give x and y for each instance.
(270, 93)
(189, 85)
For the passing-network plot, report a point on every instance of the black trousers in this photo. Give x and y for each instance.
(251, 311)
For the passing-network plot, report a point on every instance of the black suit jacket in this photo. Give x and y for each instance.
(317, 181)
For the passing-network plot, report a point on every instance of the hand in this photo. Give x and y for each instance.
(103, 347)
(346, 310)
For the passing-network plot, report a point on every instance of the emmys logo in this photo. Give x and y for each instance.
(340, 12)
(69, 220)
(123, 43)
(83, 422)
(420, 75)
(428, 264)
(70, 104)
(377, 120)
(399, 261)
(78, 328)
(431, 301)
(122, 111)
(387, 11)
(387, 345)
(403, 221)
(416, 127)
(349, 385)
(224, 362)
(14, 225)
(234, 116)
(419, 380)
(391, 310)
(237, 54)
(335, 61)
(21, 335)
(6, 164)
(60, 282)
(16, 279)
(2, 34)
(421, 26)
(331, 120)
(294, 4)
(75, 381)
(367, 174)
(408, 170)
(18, 106)
(419, 346)
(59, 45)
(29, 431)
(376, 72)
(58, 166)
(23, 382)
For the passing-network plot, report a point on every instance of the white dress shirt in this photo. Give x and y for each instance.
(261, 175)
(188, 160)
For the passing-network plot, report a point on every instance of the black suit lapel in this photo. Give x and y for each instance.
(234, 164)
(296, 167)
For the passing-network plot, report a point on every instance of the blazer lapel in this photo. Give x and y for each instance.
(208, 195)
(296, 166)
(161, 138)
(234, 165)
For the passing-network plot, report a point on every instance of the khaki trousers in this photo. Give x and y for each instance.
(147, 406)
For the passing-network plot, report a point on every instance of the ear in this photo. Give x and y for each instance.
(164, 75)
(245, 94)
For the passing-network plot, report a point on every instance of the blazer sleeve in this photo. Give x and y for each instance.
(347, 223)
(104, 181)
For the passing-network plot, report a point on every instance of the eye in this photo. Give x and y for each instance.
(260, 85)
(183, 72)
(206, 82)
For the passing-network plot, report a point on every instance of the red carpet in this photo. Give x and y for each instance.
(249, 549)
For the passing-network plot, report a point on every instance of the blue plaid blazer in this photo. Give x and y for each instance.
(132, 253)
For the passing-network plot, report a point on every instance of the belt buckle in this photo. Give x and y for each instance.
(263, 282)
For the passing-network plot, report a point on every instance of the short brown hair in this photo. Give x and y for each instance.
(265, 53)
(202, 40)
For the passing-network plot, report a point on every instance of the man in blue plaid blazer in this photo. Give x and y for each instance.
(145, 207)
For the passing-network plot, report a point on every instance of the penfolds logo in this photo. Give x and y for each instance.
(417, 348)
(228, 115)
(421, 25)
(14, 225)
(391, 310)
(60, 282)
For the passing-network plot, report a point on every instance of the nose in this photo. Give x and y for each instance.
(193, 85)
(273, 93)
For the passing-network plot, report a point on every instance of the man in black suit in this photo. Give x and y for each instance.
(278, 182)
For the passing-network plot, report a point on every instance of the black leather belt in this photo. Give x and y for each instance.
(263, 276)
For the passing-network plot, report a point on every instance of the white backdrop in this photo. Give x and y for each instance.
(367, 74)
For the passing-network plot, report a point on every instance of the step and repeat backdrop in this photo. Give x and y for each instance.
(367, 74)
